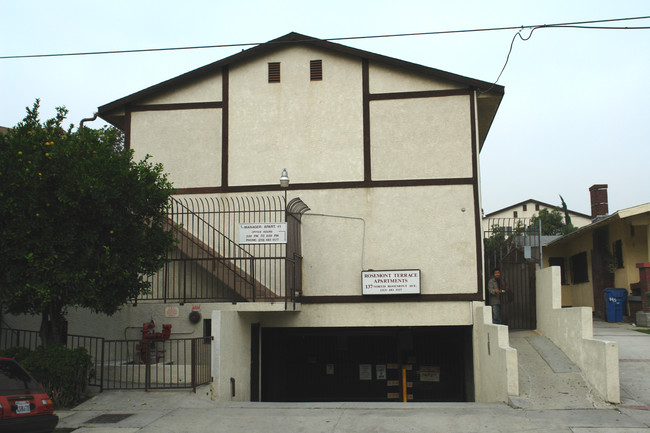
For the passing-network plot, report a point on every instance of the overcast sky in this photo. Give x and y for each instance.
(575, 112)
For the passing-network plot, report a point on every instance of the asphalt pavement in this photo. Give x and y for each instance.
(553, 398)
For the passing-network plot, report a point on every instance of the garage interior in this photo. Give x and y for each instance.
(425, 364)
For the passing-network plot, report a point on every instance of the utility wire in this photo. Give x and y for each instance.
(576, 25)
(556, 26)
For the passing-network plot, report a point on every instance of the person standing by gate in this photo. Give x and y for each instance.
(496, 287)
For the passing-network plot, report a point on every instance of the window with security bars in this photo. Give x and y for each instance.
(316, 70)
(274, 72)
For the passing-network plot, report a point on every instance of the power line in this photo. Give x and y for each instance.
(574, 25)
(577, 25)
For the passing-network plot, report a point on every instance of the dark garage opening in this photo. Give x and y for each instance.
(367, 364)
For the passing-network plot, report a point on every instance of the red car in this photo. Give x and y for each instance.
(24, 405)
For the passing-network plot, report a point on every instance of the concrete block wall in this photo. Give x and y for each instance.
(571, 329)
(496, 371)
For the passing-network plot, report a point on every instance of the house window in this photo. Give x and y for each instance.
(536, 206)
(525, 208)
(579, 268)
(274, 72)
(514, 214)
(617, 248)
(316, 70)
(558, 261)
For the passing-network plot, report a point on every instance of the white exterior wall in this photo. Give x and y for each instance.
(571, 329)
(126, 323)
(186, 142)
(421, 138)
(389, 79)
(312, 128)
(207, 89)
(429, 228)
(496, 368)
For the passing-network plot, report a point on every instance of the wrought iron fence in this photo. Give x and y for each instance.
(19, 338)
(130, 364)
(502, 235)
(95, 348)
(164, 364)
(208, 264)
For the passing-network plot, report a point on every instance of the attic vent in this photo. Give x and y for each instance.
(274, 72)
(316, 70)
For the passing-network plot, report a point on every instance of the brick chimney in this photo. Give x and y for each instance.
(599, 205)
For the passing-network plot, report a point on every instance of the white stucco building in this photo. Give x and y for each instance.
(378, 294)
(384, 153)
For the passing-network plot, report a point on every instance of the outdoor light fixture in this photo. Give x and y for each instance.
(284, 183)
(284, 179)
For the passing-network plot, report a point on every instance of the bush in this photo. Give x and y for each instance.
(17, 353)
(63, 372)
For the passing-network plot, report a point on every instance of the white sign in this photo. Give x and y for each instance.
(172, 312)
(429, 374)
(263, 233)
(390, 282)
(365, 371)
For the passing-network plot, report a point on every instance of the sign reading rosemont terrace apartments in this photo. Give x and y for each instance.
(263, 233)
(404, 282)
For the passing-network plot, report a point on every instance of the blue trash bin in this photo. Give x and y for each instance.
(615, 303)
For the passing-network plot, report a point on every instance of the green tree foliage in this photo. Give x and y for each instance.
(553, 222)
(63, 372)
(81, 223)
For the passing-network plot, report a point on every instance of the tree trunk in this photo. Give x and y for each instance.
(54, 329)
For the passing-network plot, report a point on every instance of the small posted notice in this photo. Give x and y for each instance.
(429, 374)
(263, 233)
(365, 371)
(391, 282)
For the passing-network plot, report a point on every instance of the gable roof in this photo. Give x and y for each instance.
(488, 100)
(530, 200)
(636, 211)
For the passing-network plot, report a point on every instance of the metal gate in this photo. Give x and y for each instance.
(514, 246)
(519, 309)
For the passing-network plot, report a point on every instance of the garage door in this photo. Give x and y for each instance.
(366, 364)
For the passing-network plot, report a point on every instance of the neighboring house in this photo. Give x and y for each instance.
(530, 208)
(608, 253)
(381, 274)
(3, 130)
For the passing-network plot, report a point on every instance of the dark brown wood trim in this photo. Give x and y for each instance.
(365, 88)
(179, 106)
(419, 94)
(327, 185)
(225, 97)
(295, 38)
(127, 128)
(463, 297)
(477, 203)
